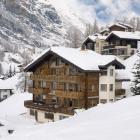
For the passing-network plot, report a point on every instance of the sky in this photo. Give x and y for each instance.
(105, 11)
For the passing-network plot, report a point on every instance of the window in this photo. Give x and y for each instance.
(44, 84)
(111, 100)
(44, 96)
(4, 96)
(32, 112)
(111, 72)
(72, 71)
(62, 117)
(54, 85)
(49, 116)
(66, 87)
(111, 87)
(103, 87)
(103, 101)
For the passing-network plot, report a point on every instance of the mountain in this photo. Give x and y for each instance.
(25, 25)
(34, 23)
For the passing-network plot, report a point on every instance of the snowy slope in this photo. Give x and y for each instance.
(114, 121)
(12, 113)
(14, 105)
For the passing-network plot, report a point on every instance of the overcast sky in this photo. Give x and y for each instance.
(107, 10)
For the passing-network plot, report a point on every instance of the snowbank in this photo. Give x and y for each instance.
(113, 121)
(14, 105)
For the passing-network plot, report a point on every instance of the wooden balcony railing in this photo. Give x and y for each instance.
(54, 108)
(62, 78)
(38, 90)
(119, 92)
(69, 94)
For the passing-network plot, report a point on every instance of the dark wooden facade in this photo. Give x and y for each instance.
(114, 40)
(59, 86)
(119, 28)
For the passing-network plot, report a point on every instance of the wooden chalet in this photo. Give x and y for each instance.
(122, 44)
(65, 79)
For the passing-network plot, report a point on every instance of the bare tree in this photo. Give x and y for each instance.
(75, 38)
(95, 28)
(88, 30)
(138, 24)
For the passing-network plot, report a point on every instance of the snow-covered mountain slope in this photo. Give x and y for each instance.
(113, 121)
(40, 23)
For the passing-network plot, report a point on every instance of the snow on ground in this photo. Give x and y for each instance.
(14, 105)
(112, 121)
(13, 113)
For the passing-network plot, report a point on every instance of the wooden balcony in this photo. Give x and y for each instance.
(38, 90)
(62, 78)
(52, 108)
(119, 92)
(69, 94)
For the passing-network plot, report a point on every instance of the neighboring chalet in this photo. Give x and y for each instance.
(121, 44)
(94, 42)
(119, 26)
(118, 39)
(66, 79)
(6, 90)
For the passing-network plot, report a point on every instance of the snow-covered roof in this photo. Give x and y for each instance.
(94, 37)
(86, 60)
(124, 24)
(117, 24)
(10, 83)
(101, 37)
(125, 35)
(4, 84)
(104, 30)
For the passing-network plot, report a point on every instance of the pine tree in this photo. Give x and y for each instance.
(136, 73)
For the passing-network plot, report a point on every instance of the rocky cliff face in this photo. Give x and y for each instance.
(30, 23)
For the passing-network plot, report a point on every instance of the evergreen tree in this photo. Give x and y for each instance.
(136, 73)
